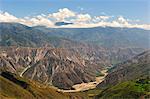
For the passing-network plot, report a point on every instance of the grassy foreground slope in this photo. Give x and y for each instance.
(16, 87)
(128, 80)
(137, 89)
(12, 86)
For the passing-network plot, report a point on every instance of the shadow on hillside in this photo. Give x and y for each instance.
(12, 78)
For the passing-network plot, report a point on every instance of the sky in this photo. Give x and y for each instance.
(133, 11)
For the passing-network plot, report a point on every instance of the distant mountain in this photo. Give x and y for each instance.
(15, 34)
(110, 37)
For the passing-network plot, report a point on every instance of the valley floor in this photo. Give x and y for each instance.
(87, 86)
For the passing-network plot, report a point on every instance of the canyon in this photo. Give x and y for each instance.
(72, 62)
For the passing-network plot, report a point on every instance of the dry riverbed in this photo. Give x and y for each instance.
(87, 86)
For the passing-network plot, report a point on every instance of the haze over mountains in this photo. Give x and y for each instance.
(110, 37)
(63, 57)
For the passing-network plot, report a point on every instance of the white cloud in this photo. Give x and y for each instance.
(83, 18)
(100, 18)
(30, 21)
(40, 20)
(103, 17)
(6, 17)
(62, 14)
(80, 20)
(122, 20)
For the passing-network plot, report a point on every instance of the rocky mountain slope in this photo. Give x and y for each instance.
(46, 64)
(128, 80)
(13, 86)
(132, 69)
(125, 86)
(59, 67)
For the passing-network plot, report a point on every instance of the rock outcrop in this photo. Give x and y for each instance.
(60, 67)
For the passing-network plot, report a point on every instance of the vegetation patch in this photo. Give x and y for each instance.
(130, 89)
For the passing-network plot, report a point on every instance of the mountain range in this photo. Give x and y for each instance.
(109, 37)
(63, 57)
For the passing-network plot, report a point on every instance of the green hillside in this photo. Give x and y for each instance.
(128, 90)
(128, 80)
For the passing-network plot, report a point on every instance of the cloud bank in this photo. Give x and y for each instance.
(79, 20)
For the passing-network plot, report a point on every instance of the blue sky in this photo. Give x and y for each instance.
(132, 9)
(82, 13)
